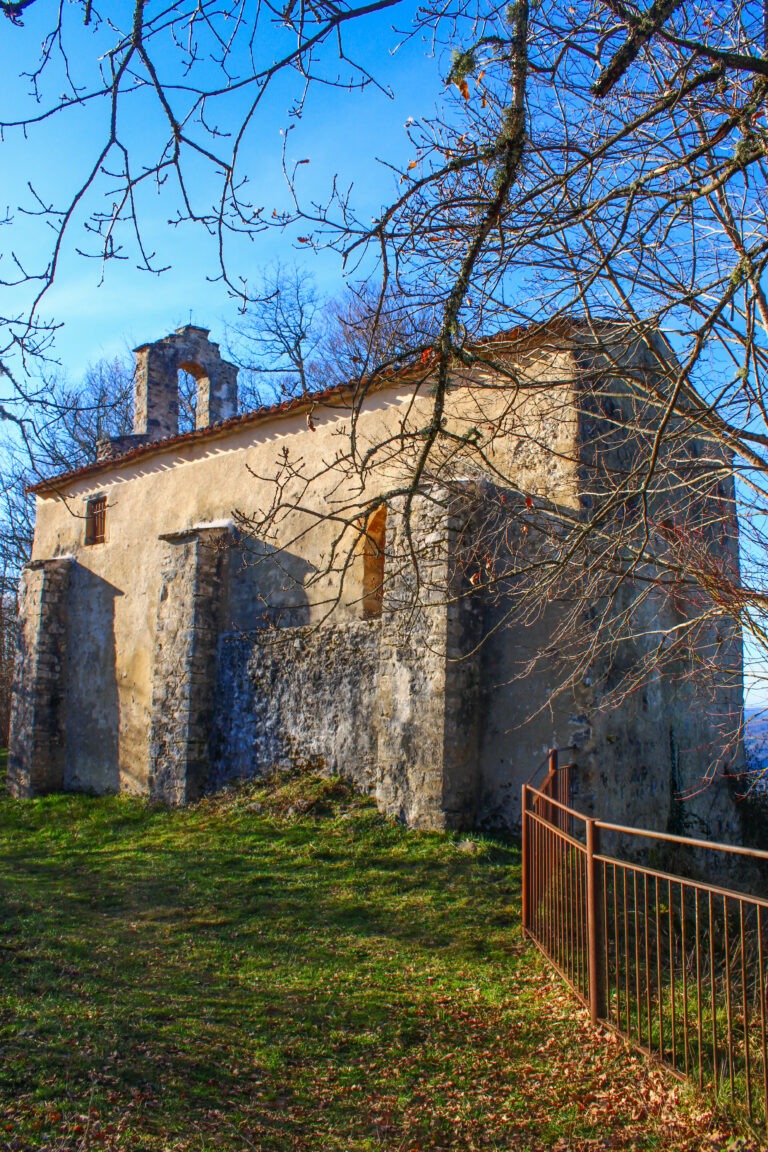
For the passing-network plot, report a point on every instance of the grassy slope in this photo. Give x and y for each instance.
(287, 970)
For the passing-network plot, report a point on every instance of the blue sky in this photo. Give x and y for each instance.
(341, 133)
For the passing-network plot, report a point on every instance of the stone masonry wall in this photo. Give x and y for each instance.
(664, 754)
(189, 614)
(427, 759)
(295, 697)
(391, 703)
(36, 762)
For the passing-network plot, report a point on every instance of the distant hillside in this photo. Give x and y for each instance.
(756, 741)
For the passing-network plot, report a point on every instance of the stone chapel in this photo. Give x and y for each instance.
(166, 649)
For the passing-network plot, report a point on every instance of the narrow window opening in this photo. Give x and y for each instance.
(96, 520)
(373, 563)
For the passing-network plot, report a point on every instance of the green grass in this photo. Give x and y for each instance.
(283, 969)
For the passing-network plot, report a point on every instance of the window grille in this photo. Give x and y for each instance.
(96, 520)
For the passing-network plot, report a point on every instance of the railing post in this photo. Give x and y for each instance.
(553, 762)
(551, 788)
(526, 861)
(595, 925)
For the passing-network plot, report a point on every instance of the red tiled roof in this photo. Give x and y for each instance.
(257, 416)
(394, 376)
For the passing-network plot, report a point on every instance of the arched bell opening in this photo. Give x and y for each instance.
(182, 371)
(194, 394)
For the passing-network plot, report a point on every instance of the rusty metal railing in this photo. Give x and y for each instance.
(675, 965)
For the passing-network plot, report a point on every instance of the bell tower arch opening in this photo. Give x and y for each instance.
(194, 383)
(165, 371)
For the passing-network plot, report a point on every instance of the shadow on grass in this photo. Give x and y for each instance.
(158, 964)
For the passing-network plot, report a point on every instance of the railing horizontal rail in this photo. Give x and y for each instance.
(547, 762)
(550, 802)
(676, 965)
(564, 836)
(676, 878)
(669, 838)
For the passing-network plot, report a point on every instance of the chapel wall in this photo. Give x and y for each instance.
(440, 740)
(297, 697)
(199, 484)
(96, 717)
(665, 754)
(523, 712)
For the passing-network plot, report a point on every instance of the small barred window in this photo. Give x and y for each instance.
(96, 520)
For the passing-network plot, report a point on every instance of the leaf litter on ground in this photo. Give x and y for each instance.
(279, 967)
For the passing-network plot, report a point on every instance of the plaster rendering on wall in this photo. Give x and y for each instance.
(168, 646)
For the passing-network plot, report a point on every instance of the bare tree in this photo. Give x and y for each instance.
(601, 170)
(591, 166)
(291, 341)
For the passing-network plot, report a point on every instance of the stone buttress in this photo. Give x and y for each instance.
(36, 760)
(427, 762)
(189, 619)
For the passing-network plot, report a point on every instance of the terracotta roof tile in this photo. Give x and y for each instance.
(257, 416)
(422, 368)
